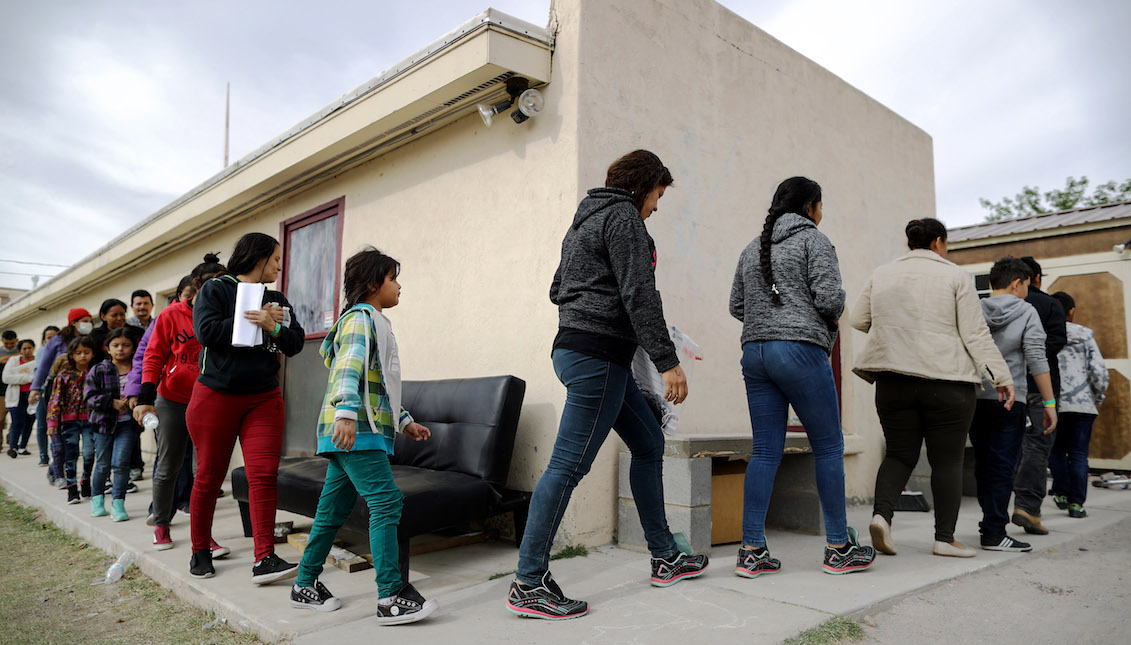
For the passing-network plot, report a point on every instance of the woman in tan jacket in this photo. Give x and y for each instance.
(928, 347)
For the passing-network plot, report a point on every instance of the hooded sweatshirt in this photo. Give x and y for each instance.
(365, 381)
(170, 363)
(606, 282)
(1083, 374)
(238, 370)
(1020, 338)
(807, 276)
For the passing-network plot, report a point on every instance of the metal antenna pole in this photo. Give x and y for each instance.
(227, 121)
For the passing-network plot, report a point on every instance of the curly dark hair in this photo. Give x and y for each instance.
(365, 271)
(639, 172)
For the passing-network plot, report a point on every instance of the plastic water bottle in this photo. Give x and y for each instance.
(286, 316)
(150, 421)
(118, 569)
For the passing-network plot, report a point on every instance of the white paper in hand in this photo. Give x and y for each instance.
(249, 297)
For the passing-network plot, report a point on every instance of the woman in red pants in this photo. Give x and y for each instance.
(237, 396)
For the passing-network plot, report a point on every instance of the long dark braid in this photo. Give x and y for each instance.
(794, 195)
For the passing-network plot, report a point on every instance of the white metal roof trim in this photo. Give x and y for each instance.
(1044, 221)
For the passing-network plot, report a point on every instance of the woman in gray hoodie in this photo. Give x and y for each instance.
(788, 296)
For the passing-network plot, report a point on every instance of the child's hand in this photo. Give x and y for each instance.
(417, 432)
(121, 404)
(345, 431)
(50, 431)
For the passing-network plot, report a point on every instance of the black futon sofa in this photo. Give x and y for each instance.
(457, 476)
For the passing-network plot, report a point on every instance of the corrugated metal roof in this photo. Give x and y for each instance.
(1042, 222)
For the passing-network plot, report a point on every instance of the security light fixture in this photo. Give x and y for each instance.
(1120, 248)
(529, 101)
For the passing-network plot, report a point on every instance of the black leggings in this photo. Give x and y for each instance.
(913, 410)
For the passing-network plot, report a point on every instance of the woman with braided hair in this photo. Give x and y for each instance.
(788, 295)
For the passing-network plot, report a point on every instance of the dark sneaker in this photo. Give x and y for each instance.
(24, 451)
(137, 474)
(849, 558)
(408, 606)
(317, 598)
(752, 563)
(1061, 501)
(12, 453)
(1031, 523)
(131, 488)
(72, 494)
(271, 569)
(200, 565)
(84, 488)
(1005, 544)
(1076, 510)
(680, 566)
(545, 600)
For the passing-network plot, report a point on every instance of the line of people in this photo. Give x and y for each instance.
(945, 365)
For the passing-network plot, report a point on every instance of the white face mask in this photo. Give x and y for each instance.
(84, 328)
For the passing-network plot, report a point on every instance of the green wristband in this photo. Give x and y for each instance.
(275, 332)
(1050, 403)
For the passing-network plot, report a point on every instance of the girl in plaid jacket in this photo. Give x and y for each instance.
(361, 413)
(67, 417)
(115, 431)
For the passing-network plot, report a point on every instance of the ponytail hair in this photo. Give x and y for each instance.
(794, 195)
(365, 272)
(922, 232)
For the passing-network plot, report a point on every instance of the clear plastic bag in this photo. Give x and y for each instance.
(651, 384)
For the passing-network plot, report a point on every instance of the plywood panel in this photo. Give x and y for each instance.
(1111, 434)
(1100, 307)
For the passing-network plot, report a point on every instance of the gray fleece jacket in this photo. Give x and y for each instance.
(1020, 337)
(606, 282)
(807, 276)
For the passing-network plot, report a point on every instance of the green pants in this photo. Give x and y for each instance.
(364, 472)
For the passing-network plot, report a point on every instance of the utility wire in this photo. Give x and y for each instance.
(46, 264)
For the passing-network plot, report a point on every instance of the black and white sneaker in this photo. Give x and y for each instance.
(73, 494)
(408, 606)
(680, 566)
(1006, 544)
(317, 598)
(545, 600)
(849, 558)
(271, 569)
(200, 565)
(131, 488)
(755, 562)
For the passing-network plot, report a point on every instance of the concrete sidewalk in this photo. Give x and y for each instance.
(624, 607)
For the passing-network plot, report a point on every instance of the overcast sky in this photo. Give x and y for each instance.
(111, 110)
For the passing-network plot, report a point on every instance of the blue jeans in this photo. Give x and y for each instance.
(996, 435)
(41, 429)
(1069, 458)
(112, 452)
(70, 432)
(599, 396)
(779, 373)
(21, 424)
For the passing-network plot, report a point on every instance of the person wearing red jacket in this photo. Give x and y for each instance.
(170, 368)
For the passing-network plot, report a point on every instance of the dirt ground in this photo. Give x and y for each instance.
(1075, 594)
(46, 595)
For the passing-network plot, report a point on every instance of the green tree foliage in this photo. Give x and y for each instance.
(1031, 201)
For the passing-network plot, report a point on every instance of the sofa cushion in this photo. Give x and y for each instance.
(473, 423)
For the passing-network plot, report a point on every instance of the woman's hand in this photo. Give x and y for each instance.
(121, 404)
(345, 433)
(675, 385)
(1005, 393)
(265, 318)
(141, 410)
(417, 432)
(33, 397)
(1050, 420)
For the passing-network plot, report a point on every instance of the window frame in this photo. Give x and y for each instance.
(330, 209)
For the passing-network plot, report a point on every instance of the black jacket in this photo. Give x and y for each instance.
(606, 282)
(1056, 335)
(238, 370)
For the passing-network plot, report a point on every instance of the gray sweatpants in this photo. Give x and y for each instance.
(172, 441)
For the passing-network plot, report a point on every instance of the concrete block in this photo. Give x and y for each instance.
(695, 522)
(797, 511)
(687, 482)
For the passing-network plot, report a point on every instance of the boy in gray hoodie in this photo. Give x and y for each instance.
(997, 429)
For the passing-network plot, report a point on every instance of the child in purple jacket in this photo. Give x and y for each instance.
(115, 431)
